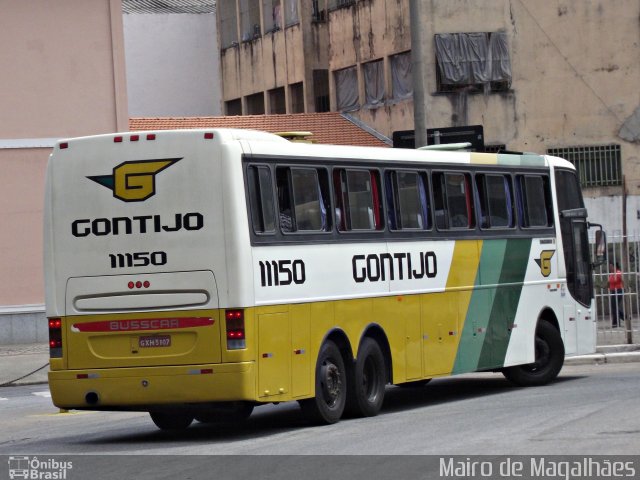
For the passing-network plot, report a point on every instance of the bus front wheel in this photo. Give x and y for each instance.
(367, 380)
(549, 359)
(331, 387)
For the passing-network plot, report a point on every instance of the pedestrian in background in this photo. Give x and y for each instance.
(616, 295)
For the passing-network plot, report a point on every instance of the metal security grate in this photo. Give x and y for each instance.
(168, 6)
(598, 166)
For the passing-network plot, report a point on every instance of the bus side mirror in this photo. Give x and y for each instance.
(601, 246)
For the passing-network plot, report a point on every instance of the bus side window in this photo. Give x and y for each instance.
(358, 200)
(303, 199)
(309, 201)
(261, 198)
(285, 203)
(339, 187)
(534, 202)
(495, 201)
(408, 201)
(453, 200)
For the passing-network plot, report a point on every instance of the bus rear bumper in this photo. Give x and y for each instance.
(140, 388)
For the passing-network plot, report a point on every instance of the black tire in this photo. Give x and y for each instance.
(331, 387)
(227, 413)
(549, 359)
(367, 380)
(171, 420)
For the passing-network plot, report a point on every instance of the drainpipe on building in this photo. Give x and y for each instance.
(417, 55)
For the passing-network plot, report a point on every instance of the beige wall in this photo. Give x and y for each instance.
(63, 75)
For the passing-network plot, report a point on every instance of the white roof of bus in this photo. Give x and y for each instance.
(271, 144)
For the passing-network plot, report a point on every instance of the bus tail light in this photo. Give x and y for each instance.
(55, 338)
(235, 329)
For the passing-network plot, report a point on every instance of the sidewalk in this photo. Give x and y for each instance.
(19, 360)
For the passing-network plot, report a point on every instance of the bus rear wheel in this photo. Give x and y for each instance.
(331, 387)
(367, 381)
(549, 359)
(171, 420)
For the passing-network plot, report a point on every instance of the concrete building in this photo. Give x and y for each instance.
(550, 77)
(63, 76)
(274, 56)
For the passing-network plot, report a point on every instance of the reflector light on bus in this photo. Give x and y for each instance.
(235, 329)
(134, 138)
(151, 136)
(138, 284)
(117, 139)
(55, 337)
(208, 136)
(64, 145)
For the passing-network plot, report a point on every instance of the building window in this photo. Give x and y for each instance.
(233, 107)
(250, 19)
(272, 15)
(494, 148)
(255, 104)
(277, 102)
(401, 79)
(476, 61)
(228, 27)
(321, 90)
(373, 73)
(597, 166)
(291, 13)
(296, 92)
(346, 89)
(333, 4)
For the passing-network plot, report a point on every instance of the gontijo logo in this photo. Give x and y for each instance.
(134, 181)
(544, 262)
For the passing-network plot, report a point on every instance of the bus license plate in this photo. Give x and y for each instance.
(155, 341)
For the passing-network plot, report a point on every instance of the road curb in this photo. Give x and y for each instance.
(601, 358)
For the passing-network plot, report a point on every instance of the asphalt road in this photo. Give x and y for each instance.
(588, 410)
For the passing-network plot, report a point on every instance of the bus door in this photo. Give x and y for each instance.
(575, 241)
(579, 281)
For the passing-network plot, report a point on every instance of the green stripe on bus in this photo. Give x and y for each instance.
(477, 316)
(505, 303)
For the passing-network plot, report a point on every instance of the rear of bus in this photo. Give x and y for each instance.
(139, 305)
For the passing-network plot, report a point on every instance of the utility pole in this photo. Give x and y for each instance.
(625, 263)
(417, 42)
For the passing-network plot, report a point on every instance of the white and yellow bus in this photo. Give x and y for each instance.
(197, 274)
